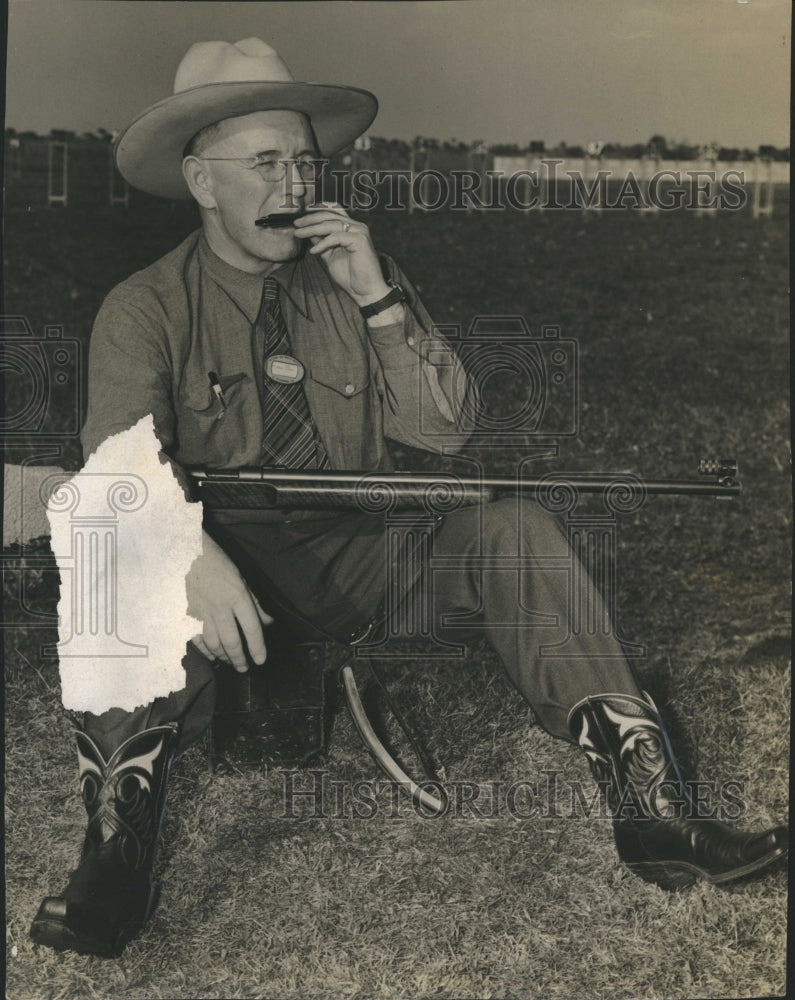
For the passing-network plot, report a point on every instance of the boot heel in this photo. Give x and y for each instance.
(665, 876)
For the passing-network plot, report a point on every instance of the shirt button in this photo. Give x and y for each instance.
(410, 341)
(349, 388)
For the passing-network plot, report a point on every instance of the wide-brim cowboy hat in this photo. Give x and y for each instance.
(218, 80)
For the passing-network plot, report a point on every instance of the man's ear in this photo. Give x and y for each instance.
(199, 180)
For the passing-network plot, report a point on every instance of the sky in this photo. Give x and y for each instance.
(497, 70)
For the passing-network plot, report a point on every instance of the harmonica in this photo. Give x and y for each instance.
(277, 220)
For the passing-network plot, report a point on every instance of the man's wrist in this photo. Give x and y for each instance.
(373, 296)
(388, 317)
(393, 296)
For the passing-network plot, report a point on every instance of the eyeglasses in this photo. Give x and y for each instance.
(270, 169)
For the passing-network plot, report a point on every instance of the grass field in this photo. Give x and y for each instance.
(682, 329)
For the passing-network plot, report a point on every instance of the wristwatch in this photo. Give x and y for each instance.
(390, 299)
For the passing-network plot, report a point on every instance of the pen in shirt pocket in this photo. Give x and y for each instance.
(215, 385)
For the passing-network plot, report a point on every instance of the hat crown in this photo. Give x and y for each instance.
(249, 60)
(220, 80)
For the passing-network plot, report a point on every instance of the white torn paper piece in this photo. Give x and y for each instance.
(124, 538)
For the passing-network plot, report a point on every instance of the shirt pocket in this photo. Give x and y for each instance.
(199, 396)
(209, 431)
(340, 402)
(347, 380)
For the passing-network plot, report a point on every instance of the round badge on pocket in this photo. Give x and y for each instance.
(284, 368)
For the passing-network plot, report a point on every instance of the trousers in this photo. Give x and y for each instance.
(504, 569)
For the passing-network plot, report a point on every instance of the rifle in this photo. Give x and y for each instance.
(436, 492)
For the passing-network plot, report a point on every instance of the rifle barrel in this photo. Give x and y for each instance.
(310, 486)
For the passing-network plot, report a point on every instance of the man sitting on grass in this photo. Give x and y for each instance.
(298, 345)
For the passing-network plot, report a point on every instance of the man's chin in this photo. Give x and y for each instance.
(287, 246)
(280, 244)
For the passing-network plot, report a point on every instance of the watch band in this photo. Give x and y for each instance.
(390, 299)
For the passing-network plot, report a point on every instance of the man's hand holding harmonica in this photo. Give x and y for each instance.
(346, 248)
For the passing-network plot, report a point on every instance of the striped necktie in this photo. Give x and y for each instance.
(289, 436)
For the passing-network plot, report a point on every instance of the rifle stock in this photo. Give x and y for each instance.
(378, 492)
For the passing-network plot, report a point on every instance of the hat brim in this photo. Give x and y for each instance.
(149, 151)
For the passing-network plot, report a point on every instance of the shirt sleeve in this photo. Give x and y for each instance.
(129, 374)
(428, 400)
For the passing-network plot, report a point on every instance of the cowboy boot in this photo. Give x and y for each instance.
(109, 897)
(658, 829)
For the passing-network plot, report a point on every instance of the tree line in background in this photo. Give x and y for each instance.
(658, 145)
(400, 149)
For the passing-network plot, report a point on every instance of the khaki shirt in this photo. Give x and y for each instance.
(159, 333)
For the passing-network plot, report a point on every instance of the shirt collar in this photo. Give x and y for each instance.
(245, 289)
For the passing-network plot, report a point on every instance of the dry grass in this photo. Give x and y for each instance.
(257, 905)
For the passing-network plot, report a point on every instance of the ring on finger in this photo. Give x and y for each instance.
(346, 227)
